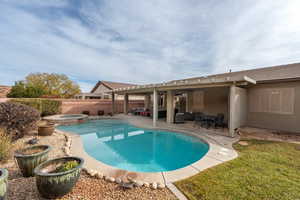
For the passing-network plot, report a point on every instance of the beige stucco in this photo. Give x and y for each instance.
(276, 121)
(211, 101)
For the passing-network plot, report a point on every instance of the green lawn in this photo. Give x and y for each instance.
(263, 170)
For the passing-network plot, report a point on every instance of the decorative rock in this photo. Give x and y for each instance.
(161, 186)
(243, 143)
(138, 183)
(68, 144)
(110, 179)
(99, 175)
(118, 180)
(146, 184)
(127, 185)
(130, 179)
(93, 173)
(65, 149)
(154, 186)
(85, 169)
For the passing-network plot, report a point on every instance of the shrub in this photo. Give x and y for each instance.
(50, 107)
(17, 119)
(45, 106)
(5, 145)
(34, 103)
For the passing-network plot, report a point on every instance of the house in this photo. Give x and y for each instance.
(4, 90)
(103, 90)
(264, 98)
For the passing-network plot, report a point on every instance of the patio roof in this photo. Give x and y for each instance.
(260, 75)
(186, 85)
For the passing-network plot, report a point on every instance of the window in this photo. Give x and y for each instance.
(272, 100)
(106, 96)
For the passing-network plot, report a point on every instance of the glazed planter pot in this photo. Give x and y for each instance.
(3, 184)
(46, 130)
(31, 157)
(53, 185)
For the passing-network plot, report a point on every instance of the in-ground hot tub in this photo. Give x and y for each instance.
(66, 119)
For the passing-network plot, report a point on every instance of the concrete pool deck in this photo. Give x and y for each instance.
(220, 151)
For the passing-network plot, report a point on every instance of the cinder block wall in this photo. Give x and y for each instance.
(72, 106)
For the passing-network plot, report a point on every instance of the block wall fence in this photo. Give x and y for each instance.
(77, 106)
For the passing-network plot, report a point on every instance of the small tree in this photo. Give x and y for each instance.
(45, 85)
(58, 85)
(17, 119)
(22, 90)
(18, 90)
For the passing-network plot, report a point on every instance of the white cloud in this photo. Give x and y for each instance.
(144, 41)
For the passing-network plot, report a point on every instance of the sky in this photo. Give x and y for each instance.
(144, 41)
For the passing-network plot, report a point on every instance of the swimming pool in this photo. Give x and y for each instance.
(122, 145)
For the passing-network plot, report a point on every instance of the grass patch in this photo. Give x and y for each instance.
(264, 170)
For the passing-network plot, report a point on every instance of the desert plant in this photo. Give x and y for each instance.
(5, 145)
(67, 166)
(17, 119)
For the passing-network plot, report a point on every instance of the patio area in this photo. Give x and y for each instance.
(216, 104)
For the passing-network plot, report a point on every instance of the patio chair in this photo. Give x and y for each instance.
(138, 111)
(209, 121)
(189, 116)
(179, 118)
(198, 119)
(219, 121)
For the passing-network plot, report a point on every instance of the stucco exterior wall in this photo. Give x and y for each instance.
(276, 121)
(101, 90)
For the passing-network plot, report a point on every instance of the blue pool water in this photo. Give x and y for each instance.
(127, 147)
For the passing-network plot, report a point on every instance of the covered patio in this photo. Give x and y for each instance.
(184, 101)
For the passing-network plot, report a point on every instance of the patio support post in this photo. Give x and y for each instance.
(113, 103)
(170, 107)
(126, 104)
(147, 101)
(189, 101)
(155, 107)
(237, 108)
(165, 101)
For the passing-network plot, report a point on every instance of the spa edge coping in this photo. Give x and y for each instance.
(216, 154)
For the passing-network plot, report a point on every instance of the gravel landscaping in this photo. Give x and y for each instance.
(87, 188)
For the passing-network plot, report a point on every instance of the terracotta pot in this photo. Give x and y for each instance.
(54, 185)
(27, 162)
(46, 130)
(3, 184)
